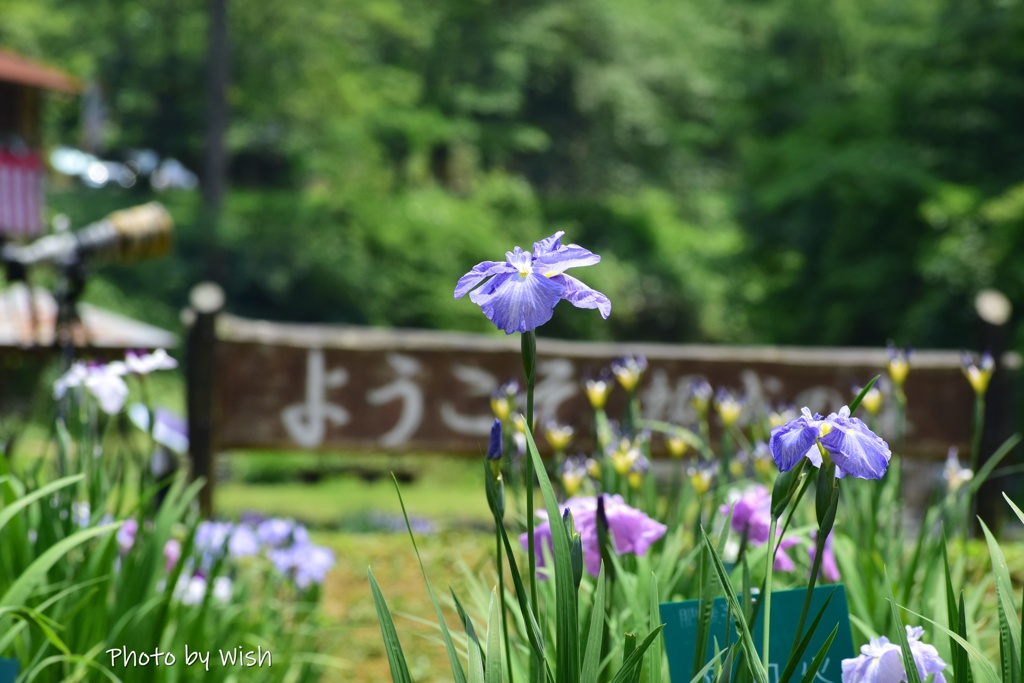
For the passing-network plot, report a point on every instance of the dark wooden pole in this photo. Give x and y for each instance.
(215, 163)
(995, 313)
(206, 301)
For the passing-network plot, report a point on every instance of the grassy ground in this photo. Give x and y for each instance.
(354, 510)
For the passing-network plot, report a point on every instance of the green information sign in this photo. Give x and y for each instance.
(681, 633)
(8, 670)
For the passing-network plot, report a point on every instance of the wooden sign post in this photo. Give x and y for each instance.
(262, 385)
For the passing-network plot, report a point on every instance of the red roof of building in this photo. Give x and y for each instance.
(16, 69)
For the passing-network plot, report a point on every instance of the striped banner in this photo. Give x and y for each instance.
(21, 194)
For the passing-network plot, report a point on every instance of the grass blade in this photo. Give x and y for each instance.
(746, 640)
(798, 651)
(953, 619)
(533, 634)
(631, 664)
(467, 624)
(1017, 510)
(985, 470)
(37, 571)
(24, 501)
(863, 392)
(476, 665)
(812, 670)
(592, 651)
(396, 658)
(657, 649)
(990, 675)
(913, 676)
(567, 666)
(1009, 627)
(492, 668)
(453, 657)
(962, 669)
(704, 609)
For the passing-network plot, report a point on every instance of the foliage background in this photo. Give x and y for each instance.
(787, 171)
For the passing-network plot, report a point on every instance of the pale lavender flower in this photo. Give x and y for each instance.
(853, 447)
(171, 430)
(243, 542)
(305, 563)
(926, 657)
(211, 541)
(277, 532)
(882, 662)
(80, 514)
(783, 562)
(312, 562)
(522, 291)
(752, 514)
(879, 662)
(829, 568)
(126, 535)
(212, 536)
(139, 363)
(172, 553)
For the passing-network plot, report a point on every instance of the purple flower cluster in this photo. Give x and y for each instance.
(283, 541)
(631, 530)
(854, 448)
(882, 662)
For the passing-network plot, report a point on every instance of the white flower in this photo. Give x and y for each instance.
(955, 475)
(190, 590)
(222, 589)
(104, 381)
(145, 363)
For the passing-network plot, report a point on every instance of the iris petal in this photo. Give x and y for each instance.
(518, 304)
(857, 450)
(480, 272)
(582, 296)
(564, 258)
(792, 441)
(548, 244)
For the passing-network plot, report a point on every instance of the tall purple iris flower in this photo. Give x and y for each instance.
(523, 290)
(631, 530)
(856, 450)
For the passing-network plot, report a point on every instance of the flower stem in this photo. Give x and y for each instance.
(769, 562)
(529, 351)
(979, 426)
(501, 597)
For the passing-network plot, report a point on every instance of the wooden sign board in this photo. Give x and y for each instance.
(681, 618)
(341, 388)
